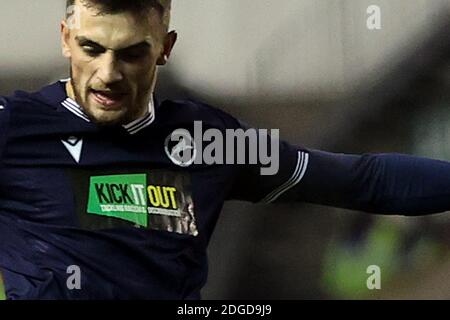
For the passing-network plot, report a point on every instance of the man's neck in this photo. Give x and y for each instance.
(69, 90)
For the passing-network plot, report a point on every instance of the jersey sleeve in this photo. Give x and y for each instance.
(375, 183)
(281, 167)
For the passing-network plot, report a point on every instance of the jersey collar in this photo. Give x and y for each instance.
(132, 127)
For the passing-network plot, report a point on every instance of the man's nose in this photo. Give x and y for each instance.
(109, 70)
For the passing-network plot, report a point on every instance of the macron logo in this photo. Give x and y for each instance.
(74, 145)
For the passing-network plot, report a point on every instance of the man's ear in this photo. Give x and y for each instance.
(169, 43)
(65, 38)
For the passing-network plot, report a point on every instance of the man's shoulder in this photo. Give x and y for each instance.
(3, 102)
(4, 111)
(190, 110)
(24, 100)
(25, 113)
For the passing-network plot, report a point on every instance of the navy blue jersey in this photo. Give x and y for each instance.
(112, 201)
(106, 199)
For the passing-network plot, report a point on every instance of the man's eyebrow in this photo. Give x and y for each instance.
(83, 41)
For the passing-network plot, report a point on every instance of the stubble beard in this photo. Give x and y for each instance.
(79, 101)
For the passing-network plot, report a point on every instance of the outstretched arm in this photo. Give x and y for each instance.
(377, 183)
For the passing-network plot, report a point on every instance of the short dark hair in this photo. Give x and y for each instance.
(117, 6)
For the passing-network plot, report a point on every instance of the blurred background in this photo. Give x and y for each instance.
(314, 70)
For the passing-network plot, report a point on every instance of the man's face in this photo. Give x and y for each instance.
(113, 60)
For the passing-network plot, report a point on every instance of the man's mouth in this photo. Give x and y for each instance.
(108, 98)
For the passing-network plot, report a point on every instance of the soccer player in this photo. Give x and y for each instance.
(97, 197)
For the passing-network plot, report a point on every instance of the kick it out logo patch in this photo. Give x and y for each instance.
(131, 198)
